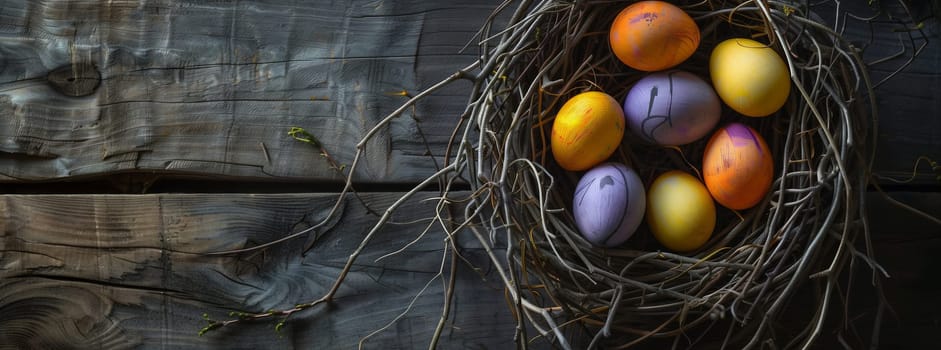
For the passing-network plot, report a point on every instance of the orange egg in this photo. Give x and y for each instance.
(737, 166)
(653, 35)
(587, 130)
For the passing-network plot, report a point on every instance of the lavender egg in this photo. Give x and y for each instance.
(671, 108)
(609, 204)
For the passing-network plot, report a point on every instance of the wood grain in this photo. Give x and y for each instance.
(212, 87)
(908, 100)
(115, 271)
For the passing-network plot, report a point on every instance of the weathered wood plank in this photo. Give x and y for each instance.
(120, 270)
(213, 87)
(99, 271)
(908, 102)
(907, 246)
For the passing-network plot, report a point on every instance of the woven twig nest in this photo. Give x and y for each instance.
(730, 292)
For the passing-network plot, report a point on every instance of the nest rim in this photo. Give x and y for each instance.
(570, 269)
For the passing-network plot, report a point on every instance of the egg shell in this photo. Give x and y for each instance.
(587, 130)
(653, 35)
(737, 166)
(680, 213)
(671, 108)
(749, 76)
(609, 204)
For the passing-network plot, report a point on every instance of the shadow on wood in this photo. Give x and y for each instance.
(213, 87)
(115, 271)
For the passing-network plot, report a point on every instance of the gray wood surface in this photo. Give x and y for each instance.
(126, 271)
(213, 87)
(210, 88)
(122, 271)
(909, 108)
(907, 246)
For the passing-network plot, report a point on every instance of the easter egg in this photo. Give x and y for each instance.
(749, 77)
(653, 35)
(680, 212)
(609, 204)
(737, 166)
(587, 130)
(671, 108)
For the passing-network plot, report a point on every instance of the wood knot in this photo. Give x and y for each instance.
(75, 79)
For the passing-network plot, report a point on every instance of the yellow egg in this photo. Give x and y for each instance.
(749, 76)
(587, 130)
(680, 211)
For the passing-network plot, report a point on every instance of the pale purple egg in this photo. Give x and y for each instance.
(609, 204)
(671, 108)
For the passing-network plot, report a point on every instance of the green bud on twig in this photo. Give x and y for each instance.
(298, 133)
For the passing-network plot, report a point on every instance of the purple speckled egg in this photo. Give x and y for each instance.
(609, 204)
(671, 108)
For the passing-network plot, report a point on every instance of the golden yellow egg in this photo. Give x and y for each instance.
(749, 76)
(587, 130)
(680, 211)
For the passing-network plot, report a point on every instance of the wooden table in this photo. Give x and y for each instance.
(173, 142)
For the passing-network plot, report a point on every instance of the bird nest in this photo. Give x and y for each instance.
(808, 229)
(501, 185)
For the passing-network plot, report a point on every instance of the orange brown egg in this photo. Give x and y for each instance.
(653, 35)
(737, 166)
